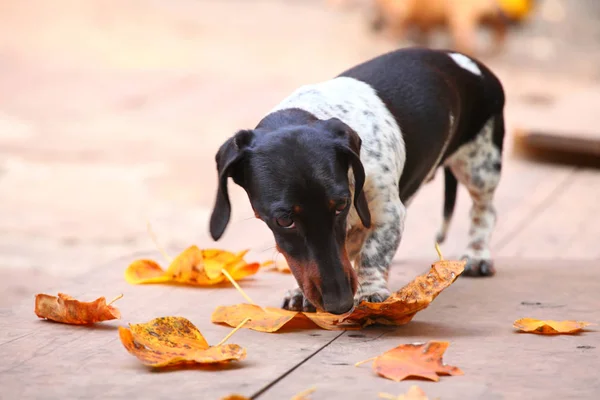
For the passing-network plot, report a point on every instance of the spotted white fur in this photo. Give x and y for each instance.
(476, 165)
(465, 63)
(383, 156)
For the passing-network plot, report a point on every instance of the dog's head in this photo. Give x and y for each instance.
(296, 178)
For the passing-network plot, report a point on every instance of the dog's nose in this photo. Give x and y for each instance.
(340, 306)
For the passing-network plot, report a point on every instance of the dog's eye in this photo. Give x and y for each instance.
(285, 222)
(341, 207)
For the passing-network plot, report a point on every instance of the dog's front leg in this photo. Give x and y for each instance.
(378, 250)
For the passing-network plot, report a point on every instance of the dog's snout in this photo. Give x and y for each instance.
(338, 296)
(339, 305)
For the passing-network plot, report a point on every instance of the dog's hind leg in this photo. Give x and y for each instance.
(477, 165)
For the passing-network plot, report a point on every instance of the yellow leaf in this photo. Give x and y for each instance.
(193, 267)
(549, 327)
(171, 341)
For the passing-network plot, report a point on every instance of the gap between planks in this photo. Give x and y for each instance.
(289, 371)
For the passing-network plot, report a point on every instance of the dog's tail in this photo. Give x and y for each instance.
(451, 185)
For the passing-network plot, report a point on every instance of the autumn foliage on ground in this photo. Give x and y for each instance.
(193, 267)
(398, 309)
(65, 309)
(171, 341)
(414, 361)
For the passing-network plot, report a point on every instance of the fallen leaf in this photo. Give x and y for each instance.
(414, 360)
(235, 397)
(193, 267)
(414, 393)
(401, 306)
(549, 327)
(398, 309)
(262, 319)
(169, 341)
(277, 266)
(67, 310)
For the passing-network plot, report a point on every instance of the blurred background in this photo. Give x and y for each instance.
(111, 113)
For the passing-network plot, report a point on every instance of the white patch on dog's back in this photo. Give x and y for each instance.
(383, 153)
(465, 63)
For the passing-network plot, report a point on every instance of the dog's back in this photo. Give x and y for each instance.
(427, 92)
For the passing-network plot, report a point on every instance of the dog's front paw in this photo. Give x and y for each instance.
(294, 300)
(372, 296)
(478, 267)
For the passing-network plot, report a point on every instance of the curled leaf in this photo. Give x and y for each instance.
(401, 307)
(169, 341)
(414, 360)
(549, 327)
(67, 310)
(398, 309)
(193, 267)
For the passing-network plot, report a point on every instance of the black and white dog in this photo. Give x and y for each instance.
(332, 168)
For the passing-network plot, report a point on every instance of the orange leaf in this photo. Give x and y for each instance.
(549, 327)
(235, 397)
(193, 267)
(401, 307)
(67, 310)
(262, 319)
(414, 360)
(171, 341)
(398, 309)
(414, 393)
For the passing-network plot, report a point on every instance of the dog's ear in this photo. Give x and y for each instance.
(228, 161)
(350, 147)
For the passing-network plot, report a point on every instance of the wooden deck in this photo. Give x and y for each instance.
(547, 268)
(122, 106)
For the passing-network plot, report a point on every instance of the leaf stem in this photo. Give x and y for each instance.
(364, 361)
(437, 248)
(235, 284)
(158, 246)
(115, 299)
(302, 395)
(226, 338)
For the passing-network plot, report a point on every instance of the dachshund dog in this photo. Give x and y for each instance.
(332, 168)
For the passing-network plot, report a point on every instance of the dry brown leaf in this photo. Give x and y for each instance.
(67, 310)
(549, 327)
(398, 309)
(414, 360)
(414, 393)
(193, 267)
(169, 341)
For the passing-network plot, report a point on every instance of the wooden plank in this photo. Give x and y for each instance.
(564, 132)
(566, 228)
(82, 362)
(476, 316)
